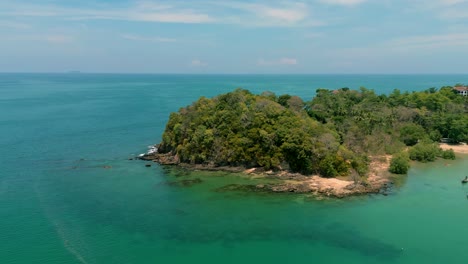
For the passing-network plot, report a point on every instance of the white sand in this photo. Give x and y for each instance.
(460, 148)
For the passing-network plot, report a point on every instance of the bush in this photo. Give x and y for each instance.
(424, 152)
(332, 166)
(447, 154)
(399, 163)
(411, 134)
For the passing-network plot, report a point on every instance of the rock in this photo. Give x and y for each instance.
(164, 159)
(185, 183)
(290, 188)
(147, 165)
(287, 182)
(249, 171)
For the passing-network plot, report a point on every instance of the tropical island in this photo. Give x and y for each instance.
(343, 142)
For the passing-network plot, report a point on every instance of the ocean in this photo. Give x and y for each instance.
(70, 194)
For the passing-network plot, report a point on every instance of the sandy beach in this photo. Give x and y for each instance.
(460, 148)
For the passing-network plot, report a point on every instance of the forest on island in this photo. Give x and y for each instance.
(333, 134)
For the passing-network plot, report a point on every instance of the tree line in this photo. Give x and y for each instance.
(333, 134)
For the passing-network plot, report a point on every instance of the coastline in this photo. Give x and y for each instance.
(457, 148)
(377, 180)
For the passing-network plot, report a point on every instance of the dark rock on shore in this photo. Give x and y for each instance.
(164, 159)
(288, 182)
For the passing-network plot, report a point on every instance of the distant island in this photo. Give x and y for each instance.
(342, 142)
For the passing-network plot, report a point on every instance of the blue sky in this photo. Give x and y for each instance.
(262, 36)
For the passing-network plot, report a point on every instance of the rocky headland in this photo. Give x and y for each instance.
(288, 182)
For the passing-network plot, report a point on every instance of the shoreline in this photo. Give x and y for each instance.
(457, 148)
(377, 180)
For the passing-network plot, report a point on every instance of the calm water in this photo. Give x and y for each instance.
(60, 204)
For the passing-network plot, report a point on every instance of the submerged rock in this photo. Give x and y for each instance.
(185, 183)
(288, 182)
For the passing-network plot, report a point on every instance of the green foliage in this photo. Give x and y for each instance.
(410, 134)
(399, 163)
(283, 100)
(424, 152)
(333, 165)
(333, 134)
(448, 154)
(242, 129)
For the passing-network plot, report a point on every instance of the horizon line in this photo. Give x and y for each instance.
(185, 73)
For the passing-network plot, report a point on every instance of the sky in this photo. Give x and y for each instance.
(235, 36)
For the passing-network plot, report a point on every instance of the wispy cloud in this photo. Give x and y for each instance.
(59, 39)
(430, 41)
(14, 25)
(198, 63)
(271, 14)
(286, 13)
(282, 61)
(445, 10)
(144, 11)
(397, 47)
(260, 14)
(454, 12)
(451, 2)
(149, 39)
(345, 2)
(314, 35)
(49, 38)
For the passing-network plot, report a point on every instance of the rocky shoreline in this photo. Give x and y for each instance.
(289, 182)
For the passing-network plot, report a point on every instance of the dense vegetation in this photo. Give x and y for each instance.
(333, 134)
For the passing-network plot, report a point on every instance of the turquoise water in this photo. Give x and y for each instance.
(69, 194)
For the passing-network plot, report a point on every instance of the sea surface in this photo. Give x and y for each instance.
(70, 194)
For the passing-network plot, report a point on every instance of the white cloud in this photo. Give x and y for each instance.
(144, 11)
(314, 35)
(150, 39)
(291, 14)
(273, 13)
(446, 10)
(59, 39)
(50, 38)
(14, 25)
(282, 61)
(189, 17)
(451, 2)
(258, 14)
(426, 45)
(344, 2)
(198, 63)
(454, 13)
(430, 41)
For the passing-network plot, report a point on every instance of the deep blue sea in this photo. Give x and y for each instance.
(70, 194)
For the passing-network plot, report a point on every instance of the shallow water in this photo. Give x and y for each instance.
(69, 194)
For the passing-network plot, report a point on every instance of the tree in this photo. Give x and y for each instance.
(334, 133)
(410, 134)
(424, 152)
(399, 163)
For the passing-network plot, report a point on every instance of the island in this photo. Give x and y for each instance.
(342, 142)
